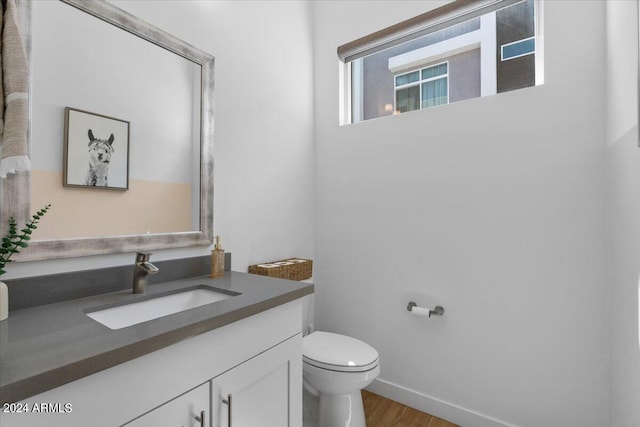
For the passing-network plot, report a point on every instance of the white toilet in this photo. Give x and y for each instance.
(335, 369)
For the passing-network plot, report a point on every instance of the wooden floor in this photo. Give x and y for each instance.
(382, 412)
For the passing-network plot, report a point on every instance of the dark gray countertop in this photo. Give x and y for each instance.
(50, 345)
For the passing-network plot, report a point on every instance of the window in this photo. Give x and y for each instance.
(518, 49)
(463, 50)
(423, 88)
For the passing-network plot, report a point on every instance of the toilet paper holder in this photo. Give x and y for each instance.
(438, 310)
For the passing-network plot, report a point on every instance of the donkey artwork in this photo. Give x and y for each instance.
(99, 157)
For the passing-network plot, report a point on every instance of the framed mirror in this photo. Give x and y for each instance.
(115, 72)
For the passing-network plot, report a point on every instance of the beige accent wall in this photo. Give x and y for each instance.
(147, 207)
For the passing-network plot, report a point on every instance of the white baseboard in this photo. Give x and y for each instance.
(434, 406)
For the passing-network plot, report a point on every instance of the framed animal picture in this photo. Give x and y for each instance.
(96, 151)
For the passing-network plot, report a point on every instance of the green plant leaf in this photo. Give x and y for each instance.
(12, 241)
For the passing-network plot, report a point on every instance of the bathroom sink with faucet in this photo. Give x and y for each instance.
(156, 306)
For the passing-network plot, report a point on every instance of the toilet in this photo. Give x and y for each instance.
(335, 369)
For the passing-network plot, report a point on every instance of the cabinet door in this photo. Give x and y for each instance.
(179, 412)
(265, 391)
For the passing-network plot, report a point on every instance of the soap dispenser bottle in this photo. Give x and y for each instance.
(217, 260)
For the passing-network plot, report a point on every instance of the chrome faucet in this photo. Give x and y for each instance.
(141, 271)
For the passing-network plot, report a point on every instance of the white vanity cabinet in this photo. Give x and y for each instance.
(187, 410)
(256, 360)
(260, 392)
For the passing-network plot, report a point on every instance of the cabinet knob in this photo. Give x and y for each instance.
(227, 402)
(200, 419)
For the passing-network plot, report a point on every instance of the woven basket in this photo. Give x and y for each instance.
(292, 269)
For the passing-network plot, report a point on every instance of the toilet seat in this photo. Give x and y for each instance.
(335, 352)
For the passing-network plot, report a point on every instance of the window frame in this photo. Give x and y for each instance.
(419, 83)
(350, 110)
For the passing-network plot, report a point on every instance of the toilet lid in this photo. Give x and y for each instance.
(337, 352)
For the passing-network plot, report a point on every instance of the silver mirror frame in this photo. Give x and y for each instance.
(16, 188)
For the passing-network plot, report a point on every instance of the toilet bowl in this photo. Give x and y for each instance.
(335, 369)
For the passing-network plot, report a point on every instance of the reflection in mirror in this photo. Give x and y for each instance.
(170, 142)
(112, 73)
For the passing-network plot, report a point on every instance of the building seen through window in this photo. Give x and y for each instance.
(489, 54)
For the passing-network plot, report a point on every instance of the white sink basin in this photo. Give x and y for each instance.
(137, 312)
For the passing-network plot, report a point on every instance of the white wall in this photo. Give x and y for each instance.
(623, 203)
(263, 174)
(492, 208)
